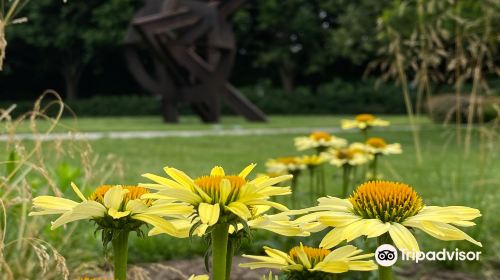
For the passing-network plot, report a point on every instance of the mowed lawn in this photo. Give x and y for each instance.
(155, 123)
(446, 176)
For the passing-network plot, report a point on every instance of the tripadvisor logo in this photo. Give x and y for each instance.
(443, 255)
(387, 255)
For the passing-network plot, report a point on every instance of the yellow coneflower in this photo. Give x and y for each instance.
(363, 122)
(313, 160)
(320, 141)
(285, 165)
(117, 210)
(378, 146)
(218, 201)
(379, 207)
(388, 210)
(301, 259)
(353, 155)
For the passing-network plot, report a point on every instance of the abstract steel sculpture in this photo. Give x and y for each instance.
(183, 51)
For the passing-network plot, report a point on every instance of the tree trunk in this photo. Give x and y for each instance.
(286, 75)
(72, 77)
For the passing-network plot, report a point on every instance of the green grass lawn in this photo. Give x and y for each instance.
(446, 177)
(193, 123)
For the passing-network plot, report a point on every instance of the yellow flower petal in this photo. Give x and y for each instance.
(244, 173)
(362, 265)
(162, 225)
(217, 171)
(136, 206)
(163, 181)
(239, 209)
(331, 267)
(339, 219)
(117, 214)
(303, 257)
(114, 197)
(225, 190)
(180, 177)
(342, 253)
(169, 209)
(53, 203)
(78, 192)
(209, 214)
(403, 238)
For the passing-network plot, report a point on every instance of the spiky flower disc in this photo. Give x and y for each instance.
(365, 118)
(132, 192)
(386, 201)
(314, 255)
(376, 142)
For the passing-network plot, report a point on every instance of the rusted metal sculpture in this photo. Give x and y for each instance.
(183, 51)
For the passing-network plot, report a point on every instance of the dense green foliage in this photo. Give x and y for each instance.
(301, 43)
(337, 97)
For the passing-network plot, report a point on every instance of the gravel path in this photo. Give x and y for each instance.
(180, 133)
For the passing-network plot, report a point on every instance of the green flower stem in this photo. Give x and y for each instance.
(229, 258)
(120, 254)
(219, 251)
(365, 133)
(385, 272)
(322, 179)
(374, 167)
(293, 184)
(312, 188)
(346, 176)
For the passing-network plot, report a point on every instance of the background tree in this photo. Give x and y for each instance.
(308, 40)
(70, 36)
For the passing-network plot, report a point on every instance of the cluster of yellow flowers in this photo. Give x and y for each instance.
(224, 207)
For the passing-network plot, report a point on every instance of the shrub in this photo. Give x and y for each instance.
(337, 97)
(442, 108)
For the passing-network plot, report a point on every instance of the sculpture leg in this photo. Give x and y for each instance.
(169, 111)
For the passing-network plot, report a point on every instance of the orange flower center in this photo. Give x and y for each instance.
(365, 117)
(288, 160)
(315, 255)
(312, 160)
(211, 184)
(376, 142)
(134, 192)
(345, 154)
(386, 201)
(320, 135)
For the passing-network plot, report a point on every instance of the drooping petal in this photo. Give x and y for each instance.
(209, 214)
(162, 224)
(60, 204)
(169, 209)
(67, 218)
(239, 209)
(403, 238)
(113, 198)
(117, 214)
(136, 206)
(443, 231)
(225, 190)
(342, 253)
(339, 219)
(332, 267)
